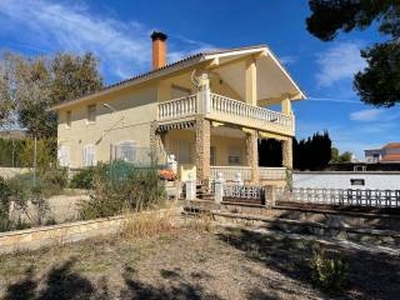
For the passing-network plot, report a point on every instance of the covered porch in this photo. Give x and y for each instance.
(206, 148)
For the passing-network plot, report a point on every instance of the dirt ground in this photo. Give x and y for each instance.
(226, 263)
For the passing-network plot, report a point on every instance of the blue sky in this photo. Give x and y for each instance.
(118, 32)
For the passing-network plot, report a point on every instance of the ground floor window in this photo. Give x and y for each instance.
(63, 156)
(126, 150)
(89, 155)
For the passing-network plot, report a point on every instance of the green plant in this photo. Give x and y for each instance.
(121, 186)
(84, 179)
(4, 205)
(329, 270)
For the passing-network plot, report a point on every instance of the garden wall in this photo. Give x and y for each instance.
(347, 180)
(35, 238)
(10, 172)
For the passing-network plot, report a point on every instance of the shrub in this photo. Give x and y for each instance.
(4, 205)
(329, 270)
(84, 179)
(120, 186)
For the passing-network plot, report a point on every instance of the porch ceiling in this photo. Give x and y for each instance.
(273, 82)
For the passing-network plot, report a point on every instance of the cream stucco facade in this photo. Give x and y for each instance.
(208, 110)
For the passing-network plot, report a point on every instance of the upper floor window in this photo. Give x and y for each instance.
(68, 119)
(91, 117)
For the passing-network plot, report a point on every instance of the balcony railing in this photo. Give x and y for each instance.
(225, 109)
(177, 108)
(229, 173)
(229, 106)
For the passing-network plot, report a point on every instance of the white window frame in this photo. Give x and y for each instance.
(63, 156)
(89, 155)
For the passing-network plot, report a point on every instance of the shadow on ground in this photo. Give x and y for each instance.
(61, 282)
(371, 276)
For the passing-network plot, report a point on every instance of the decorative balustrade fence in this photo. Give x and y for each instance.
(341, 197)
(243, 193)
(229, 173)
(268, 173)
(225, 109)
(234, 107)
(177, 108)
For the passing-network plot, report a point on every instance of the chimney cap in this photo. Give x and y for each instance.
(158, 35)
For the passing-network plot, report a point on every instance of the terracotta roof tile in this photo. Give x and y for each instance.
(392, 146)
(197, 56)
(391, 157)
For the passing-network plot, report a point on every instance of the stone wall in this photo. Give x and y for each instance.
(35, 238)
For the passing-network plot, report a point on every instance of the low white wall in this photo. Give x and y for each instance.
(342, 180)
(11, 172)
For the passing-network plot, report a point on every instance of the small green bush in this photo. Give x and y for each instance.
(329, 270)
(121, 186)
(84, 179)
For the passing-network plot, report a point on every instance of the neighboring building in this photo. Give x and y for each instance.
(207, 110)
(390, 153)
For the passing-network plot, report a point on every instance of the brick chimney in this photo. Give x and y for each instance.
(159, 49)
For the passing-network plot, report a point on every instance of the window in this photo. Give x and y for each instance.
(126, 151)
(179, 91)
(91, 117)
(89, 155)
(63, 156)
(234, 157)
(68, 119)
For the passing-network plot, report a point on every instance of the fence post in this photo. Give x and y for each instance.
(270, 196)
(219, 188)
(190, 188)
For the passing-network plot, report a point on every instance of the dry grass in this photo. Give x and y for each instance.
(146, 224)
(154, 260)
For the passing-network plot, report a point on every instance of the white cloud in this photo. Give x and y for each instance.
(124, 48)
(339, 62)
(367, 115)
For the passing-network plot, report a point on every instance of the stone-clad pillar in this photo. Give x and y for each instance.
(252, 154)
(202, 157)
(287, 153)
(157, 140)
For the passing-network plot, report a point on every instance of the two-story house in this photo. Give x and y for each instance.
(207, 109)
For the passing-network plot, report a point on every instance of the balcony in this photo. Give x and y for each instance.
(226, 110)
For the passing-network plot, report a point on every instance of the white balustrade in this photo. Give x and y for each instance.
(224, 108)
(226, 105)
(230, 172)
(176, 108)
(270, 173)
